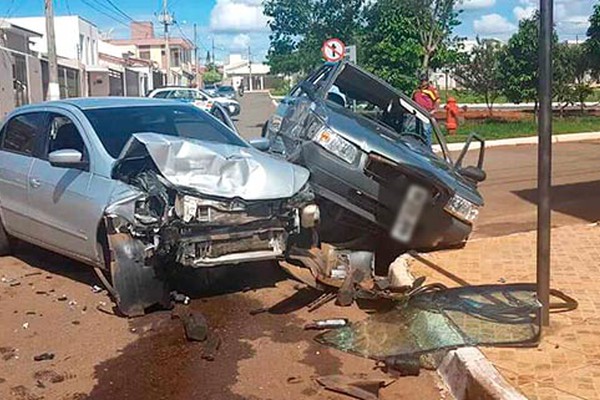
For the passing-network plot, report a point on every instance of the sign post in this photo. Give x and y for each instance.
(333, 50)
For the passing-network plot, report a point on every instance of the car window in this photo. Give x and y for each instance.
(22, 132)
(162, 95)
(115, 126)
(182, 94)
(64, 135)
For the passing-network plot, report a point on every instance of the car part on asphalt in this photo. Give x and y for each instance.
(194, 324)
(432, 320)
(378, 185)
(358, 388)
(323, 324)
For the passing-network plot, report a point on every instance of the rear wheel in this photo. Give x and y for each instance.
(5, 241)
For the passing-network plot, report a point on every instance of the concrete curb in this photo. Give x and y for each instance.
(563, 138)
(469, 375)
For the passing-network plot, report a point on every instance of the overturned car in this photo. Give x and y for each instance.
(379, 185)
(138, 187)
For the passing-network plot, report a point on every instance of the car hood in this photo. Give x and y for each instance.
(216, 169)
(371, 138)
(221, 99)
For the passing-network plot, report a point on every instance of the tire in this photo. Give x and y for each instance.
(136, 281)
(5, 241)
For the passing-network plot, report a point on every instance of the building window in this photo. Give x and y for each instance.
(176, 61)
(68, 81)
(145, 55)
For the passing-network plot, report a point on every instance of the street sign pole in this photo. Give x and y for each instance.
(545, 160)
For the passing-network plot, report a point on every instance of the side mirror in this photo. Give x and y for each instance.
(67, 158)
(309, 89)
(261, 144)
(473, 173)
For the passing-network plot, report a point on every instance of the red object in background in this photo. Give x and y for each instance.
(452, 113)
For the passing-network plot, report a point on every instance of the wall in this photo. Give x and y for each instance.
(68, 31)
(6, 83)
(98, 83)
(34, 77)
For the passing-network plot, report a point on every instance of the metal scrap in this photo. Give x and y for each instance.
(362, 389)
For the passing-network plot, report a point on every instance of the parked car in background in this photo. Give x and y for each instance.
(379, 185)
(137, 187)
(227, 92)
(211, 89)
(197, 97)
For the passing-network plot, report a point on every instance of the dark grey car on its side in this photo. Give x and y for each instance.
(379, 185)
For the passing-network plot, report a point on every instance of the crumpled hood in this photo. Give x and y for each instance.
(219, 170)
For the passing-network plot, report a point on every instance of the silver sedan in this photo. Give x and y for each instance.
(133, 186)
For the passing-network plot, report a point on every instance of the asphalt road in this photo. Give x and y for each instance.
(256, 110)
(510, 191)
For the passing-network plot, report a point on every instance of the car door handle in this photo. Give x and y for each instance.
(35, 183)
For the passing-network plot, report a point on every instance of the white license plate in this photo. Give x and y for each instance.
(409, 214)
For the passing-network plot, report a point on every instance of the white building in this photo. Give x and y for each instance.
(76, 38)
(240, 71)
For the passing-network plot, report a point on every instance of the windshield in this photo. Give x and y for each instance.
(115, 126)
(226, 89)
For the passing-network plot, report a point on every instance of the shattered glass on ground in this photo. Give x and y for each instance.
(499, 315)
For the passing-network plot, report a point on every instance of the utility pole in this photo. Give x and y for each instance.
(213, 51)
(545, 160)
(166, 19)
(53, 86)
(249, 70)
(195, 46)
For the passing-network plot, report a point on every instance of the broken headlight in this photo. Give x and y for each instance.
(462, 209)
(336, 144)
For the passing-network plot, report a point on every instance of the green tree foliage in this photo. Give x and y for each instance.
(571, 75)
(593, 42)
(480, 72)
(212, 75)
(521, 62)
(391, 45)
(299, 28)
(435, 21)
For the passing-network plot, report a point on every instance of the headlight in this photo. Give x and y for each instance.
(337, 145)
(462, 209)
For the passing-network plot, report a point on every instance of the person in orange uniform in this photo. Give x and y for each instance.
(452, 113)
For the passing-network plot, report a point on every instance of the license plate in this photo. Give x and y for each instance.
(409, 214)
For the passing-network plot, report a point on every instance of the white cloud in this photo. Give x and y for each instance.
(524, 12)
(493, 25)
(240, 41)
(476, 4)
(238, 16)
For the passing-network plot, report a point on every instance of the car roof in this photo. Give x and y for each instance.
(90, 103)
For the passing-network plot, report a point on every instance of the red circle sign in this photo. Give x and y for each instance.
(333, 50)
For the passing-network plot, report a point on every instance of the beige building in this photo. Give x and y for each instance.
(144, 45)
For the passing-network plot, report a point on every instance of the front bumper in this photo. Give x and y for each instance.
(377, 201)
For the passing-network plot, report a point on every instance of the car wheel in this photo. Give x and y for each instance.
(136, 281)
(5, 241)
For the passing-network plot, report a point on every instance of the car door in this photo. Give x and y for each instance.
(19, 145)
(67, 203)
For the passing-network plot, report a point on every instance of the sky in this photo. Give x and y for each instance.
(235, 25)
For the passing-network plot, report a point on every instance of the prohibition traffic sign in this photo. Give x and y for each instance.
(333, 50)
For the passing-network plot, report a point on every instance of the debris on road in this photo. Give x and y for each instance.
(8, 353)
(405, 366)
(96, 289)
(62, 298)
(361, 389)
(326, 324)
(194, 324)
(211, 346)
(260, 310)
(44, 357)
(48, 376)
(180, 298)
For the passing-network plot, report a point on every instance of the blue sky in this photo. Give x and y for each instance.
(237, 24)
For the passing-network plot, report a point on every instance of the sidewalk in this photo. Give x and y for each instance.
(566, 365)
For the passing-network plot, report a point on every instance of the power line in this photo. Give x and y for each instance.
(92, 6)
(120, 11)
(68, 7)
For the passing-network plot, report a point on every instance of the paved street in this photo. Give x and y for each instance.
(256, 110)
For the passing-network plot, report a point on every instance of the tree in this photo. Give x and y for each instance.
(212, 75)
(435, 21)
(480, 71)
(593, 42)
(521, 62)
(571, 75)
(391, 44)
(299, 28)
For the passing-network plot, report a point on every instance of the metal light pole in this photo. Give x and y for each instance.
(545, 159)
